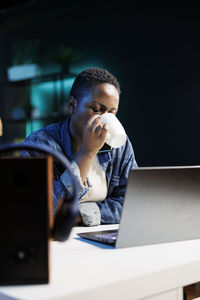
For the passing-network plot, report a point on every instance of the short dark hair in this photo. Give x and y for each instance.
(90, 78)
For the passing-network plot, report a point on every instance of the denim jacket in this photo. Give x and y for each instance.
(116, 162)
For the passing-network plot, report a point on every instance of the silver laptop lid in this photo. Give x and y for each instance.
(161, 205)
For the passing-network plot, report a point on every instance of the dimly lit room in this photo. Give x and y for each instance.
(144, 61)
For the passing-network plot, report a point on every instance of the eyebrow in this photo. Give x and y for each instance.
(102, 105)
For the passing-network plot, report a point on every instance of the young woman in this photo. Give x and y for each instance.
(102, 175)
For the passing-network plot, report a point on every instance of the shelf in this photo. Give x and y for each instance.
(29, 90)
(43, 78)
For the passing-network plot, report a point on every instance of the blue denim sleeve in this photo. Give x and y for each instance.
(65, 184)
(111, 207)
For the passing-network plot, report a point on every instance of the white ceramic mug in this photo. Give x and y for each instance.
(116, 136)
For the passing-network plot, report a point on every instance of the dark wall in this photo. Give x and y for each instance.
(154, 53)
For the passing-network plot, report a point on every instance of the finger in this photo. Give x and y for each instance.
(96, 123)
(104, 130)
(91, 120)
(98, 130)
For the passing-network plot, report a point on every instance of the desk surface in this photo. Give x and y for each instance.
(85, 270)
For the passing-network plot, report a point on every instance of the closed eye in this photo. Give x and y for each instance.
(95, 110)
(100, 108)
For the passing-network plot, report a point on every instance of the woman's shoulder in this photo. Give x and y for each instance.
(50, 133)
(42, 136)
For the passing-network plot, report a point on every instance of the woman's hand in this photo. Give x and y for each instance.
(94, 135)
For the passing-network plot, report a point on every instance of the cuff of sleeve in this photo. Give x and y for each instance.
(90, 213)
(66, 180)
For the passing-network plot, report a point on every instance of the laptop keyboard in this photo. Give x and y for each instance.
(106, 236)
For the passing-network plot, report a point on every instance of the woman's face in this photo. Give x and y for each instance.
(103, 98)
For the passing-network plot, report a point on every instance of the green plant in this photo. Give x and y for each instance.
(66, 55)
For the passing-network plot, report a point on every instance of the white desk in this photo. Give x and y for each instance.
(81, 270)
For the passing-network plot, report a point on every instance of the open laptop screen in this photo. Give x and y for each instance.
(161, 205)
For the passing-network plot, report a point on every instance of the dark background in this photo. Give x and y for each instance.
(153, 51)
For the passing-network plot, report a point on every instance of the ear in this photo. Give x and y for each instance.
(72, 104)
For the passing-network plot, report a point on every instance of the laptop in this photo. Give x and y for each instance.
(161, 205)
